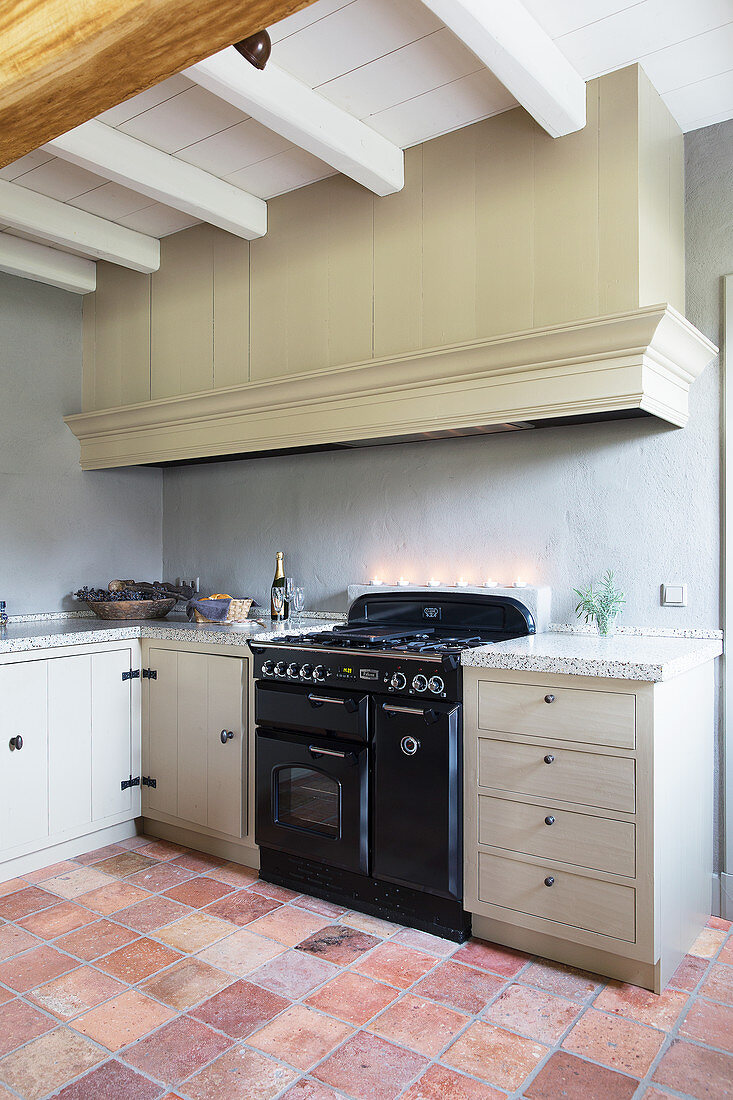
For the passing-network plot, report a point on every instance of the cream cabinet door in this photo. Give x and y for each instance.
(160, 743)
(225, 753)
(24, 771)
(113, 755)
(70, 742)
(193, 731)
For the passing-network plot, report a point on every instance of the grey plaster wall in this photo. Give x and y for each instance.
(60, 527)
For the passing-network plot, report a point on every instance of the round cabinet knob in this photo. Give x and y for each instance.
(226, 735)
(549, 698)
(15, 743)
(549, 881)
(280, 668)
(436, 685)
(549, 759)
(409, 745)
(549, 820)
(267, 668)
(420, 682)
(319, 673)
(293, 670)
(398, 681)
(306, 672)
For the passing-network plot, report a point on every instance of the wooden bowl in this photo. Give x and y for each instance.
(132, 609)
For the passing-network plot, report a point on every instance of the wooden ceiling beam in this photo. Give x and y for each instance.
(65, 62)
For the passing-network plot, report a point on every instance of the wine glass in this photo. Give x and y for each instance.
(288, 589)
(278, 599)
(297, 600)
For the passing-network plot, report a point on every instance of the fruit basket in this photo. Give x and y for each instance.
(126, 603)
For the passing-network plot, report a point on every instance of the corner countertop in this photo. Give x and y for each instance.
(624, 656)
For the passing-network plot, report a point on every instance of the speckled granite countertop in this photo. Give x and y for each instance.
(51, 632)
(622, 656)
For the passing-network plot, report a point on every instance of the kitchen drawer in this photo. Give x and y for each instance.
(572, 714)
(565, 835)
(591, 904)
(567, 775)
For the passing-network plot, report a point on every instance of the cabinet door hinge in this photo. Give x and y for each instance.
(133, 674)
(148, 782)
(126, 783)
(150, 674)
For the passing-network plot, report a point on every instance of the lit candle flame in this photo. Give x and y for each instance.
(432, 583)
(402, 582)
(461, 583)
(520, 583)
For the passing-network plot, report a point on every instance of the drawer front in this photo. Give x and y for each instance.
(608, 782)
(590, 904)
(573, 714)
(549, 833)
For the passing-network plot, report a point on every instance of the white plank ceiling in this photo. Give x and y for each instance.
(392, 64)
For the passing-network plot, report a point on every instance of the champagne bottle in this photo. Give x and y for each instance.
(278, 582)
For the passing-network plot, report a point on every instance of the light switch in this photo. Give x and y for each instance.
(674, 595)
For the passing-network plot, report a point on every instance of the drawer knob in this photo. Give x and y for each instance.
(15, 743)
(549, 881)
(549, 759)
(549, 820)
(226, 735)
(549, 698)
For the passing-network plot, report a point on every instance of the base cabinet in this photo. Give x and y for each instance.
(24, 771)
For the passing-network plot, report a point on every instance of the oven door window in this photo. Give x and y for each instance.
(309, 800)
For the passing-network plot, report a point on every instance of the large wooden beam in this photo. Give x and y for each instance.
(305, 117)
(139, 166)
(65, 61)
(47, 265)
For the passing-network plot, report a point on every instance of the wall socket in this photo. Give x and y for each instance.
(195, 582)
(673, 595)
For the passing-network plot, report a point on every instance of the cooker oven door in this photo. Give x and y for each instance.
(312, 798)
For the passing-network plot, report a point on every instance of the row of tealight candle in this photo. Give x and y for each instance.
(403, 582)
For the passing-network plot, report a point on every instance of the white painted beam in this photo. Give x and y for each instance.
(290, 108)
(511, 43)
(47, 265)
(134, 164)
(64, 225)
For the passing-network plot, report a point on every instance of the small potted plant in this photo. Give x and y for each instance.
(602, 605)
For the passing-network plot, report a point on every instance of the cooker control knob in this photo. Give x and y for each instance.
(293, 670)
(319, 673)
(280, 668)
(267, 668)
(398, 681)
(436, 685)
(420, 683)
(306, 672)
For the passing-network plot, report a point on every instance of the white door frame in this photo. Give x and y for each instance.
(726, 899)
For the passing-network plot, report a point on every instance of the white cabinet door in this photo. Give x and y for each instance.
(160, 748)
(24, 772)
(112, 756)
(69, 742)
(225, 712)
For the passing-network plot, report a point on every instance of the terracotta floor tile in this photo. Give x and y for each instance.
(641, 1005)
(293, 974)
(37, 966)
(394, 964)
(573, 1079)
(160, 877)
(151, 913)
(308, 1089)
(159, 849)
(495, 1055)
(124, 864)
(199, 862)
(316, 905)
(726, 955)
(74, 993)
(236, 875)
(695, 1072)
(240, 1009)
(655, 1094)
(12, 886)
(566, 981)
(709, 1023)
(424, 941)
(533, 1012)
(242, 907)
(418, 1024)
(338, 944)
(14, 940)
(708, 943)
(19, 1023)
(718, 986)
(22, 902)
(271, 890)
(194, 932)
(240, 1074)
(241, 953)
(138, 960)
(440, 1083)
(198, 892)
(374, 926)
(50, 872)
(56, 920)
(719, 922)
(689, 972)
(94, 940)
(122, 1020)
(135, 841)
(87, 858)
(621, 1044)
(288, 925)
(176, 1050)
(111, 1081)
(369, 1068)
(110, 899)
(490, 956)
(186, 983)
(73, 883)
(300, 1036)
(460, 986)
(48, 1063)
(352, 997)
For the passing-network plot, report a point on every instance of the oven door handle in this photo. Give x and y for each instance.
(318, 700)
(315, 751)
(427, 713)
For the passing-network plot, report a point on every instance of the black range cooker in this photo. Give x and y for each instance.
(359, 753)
